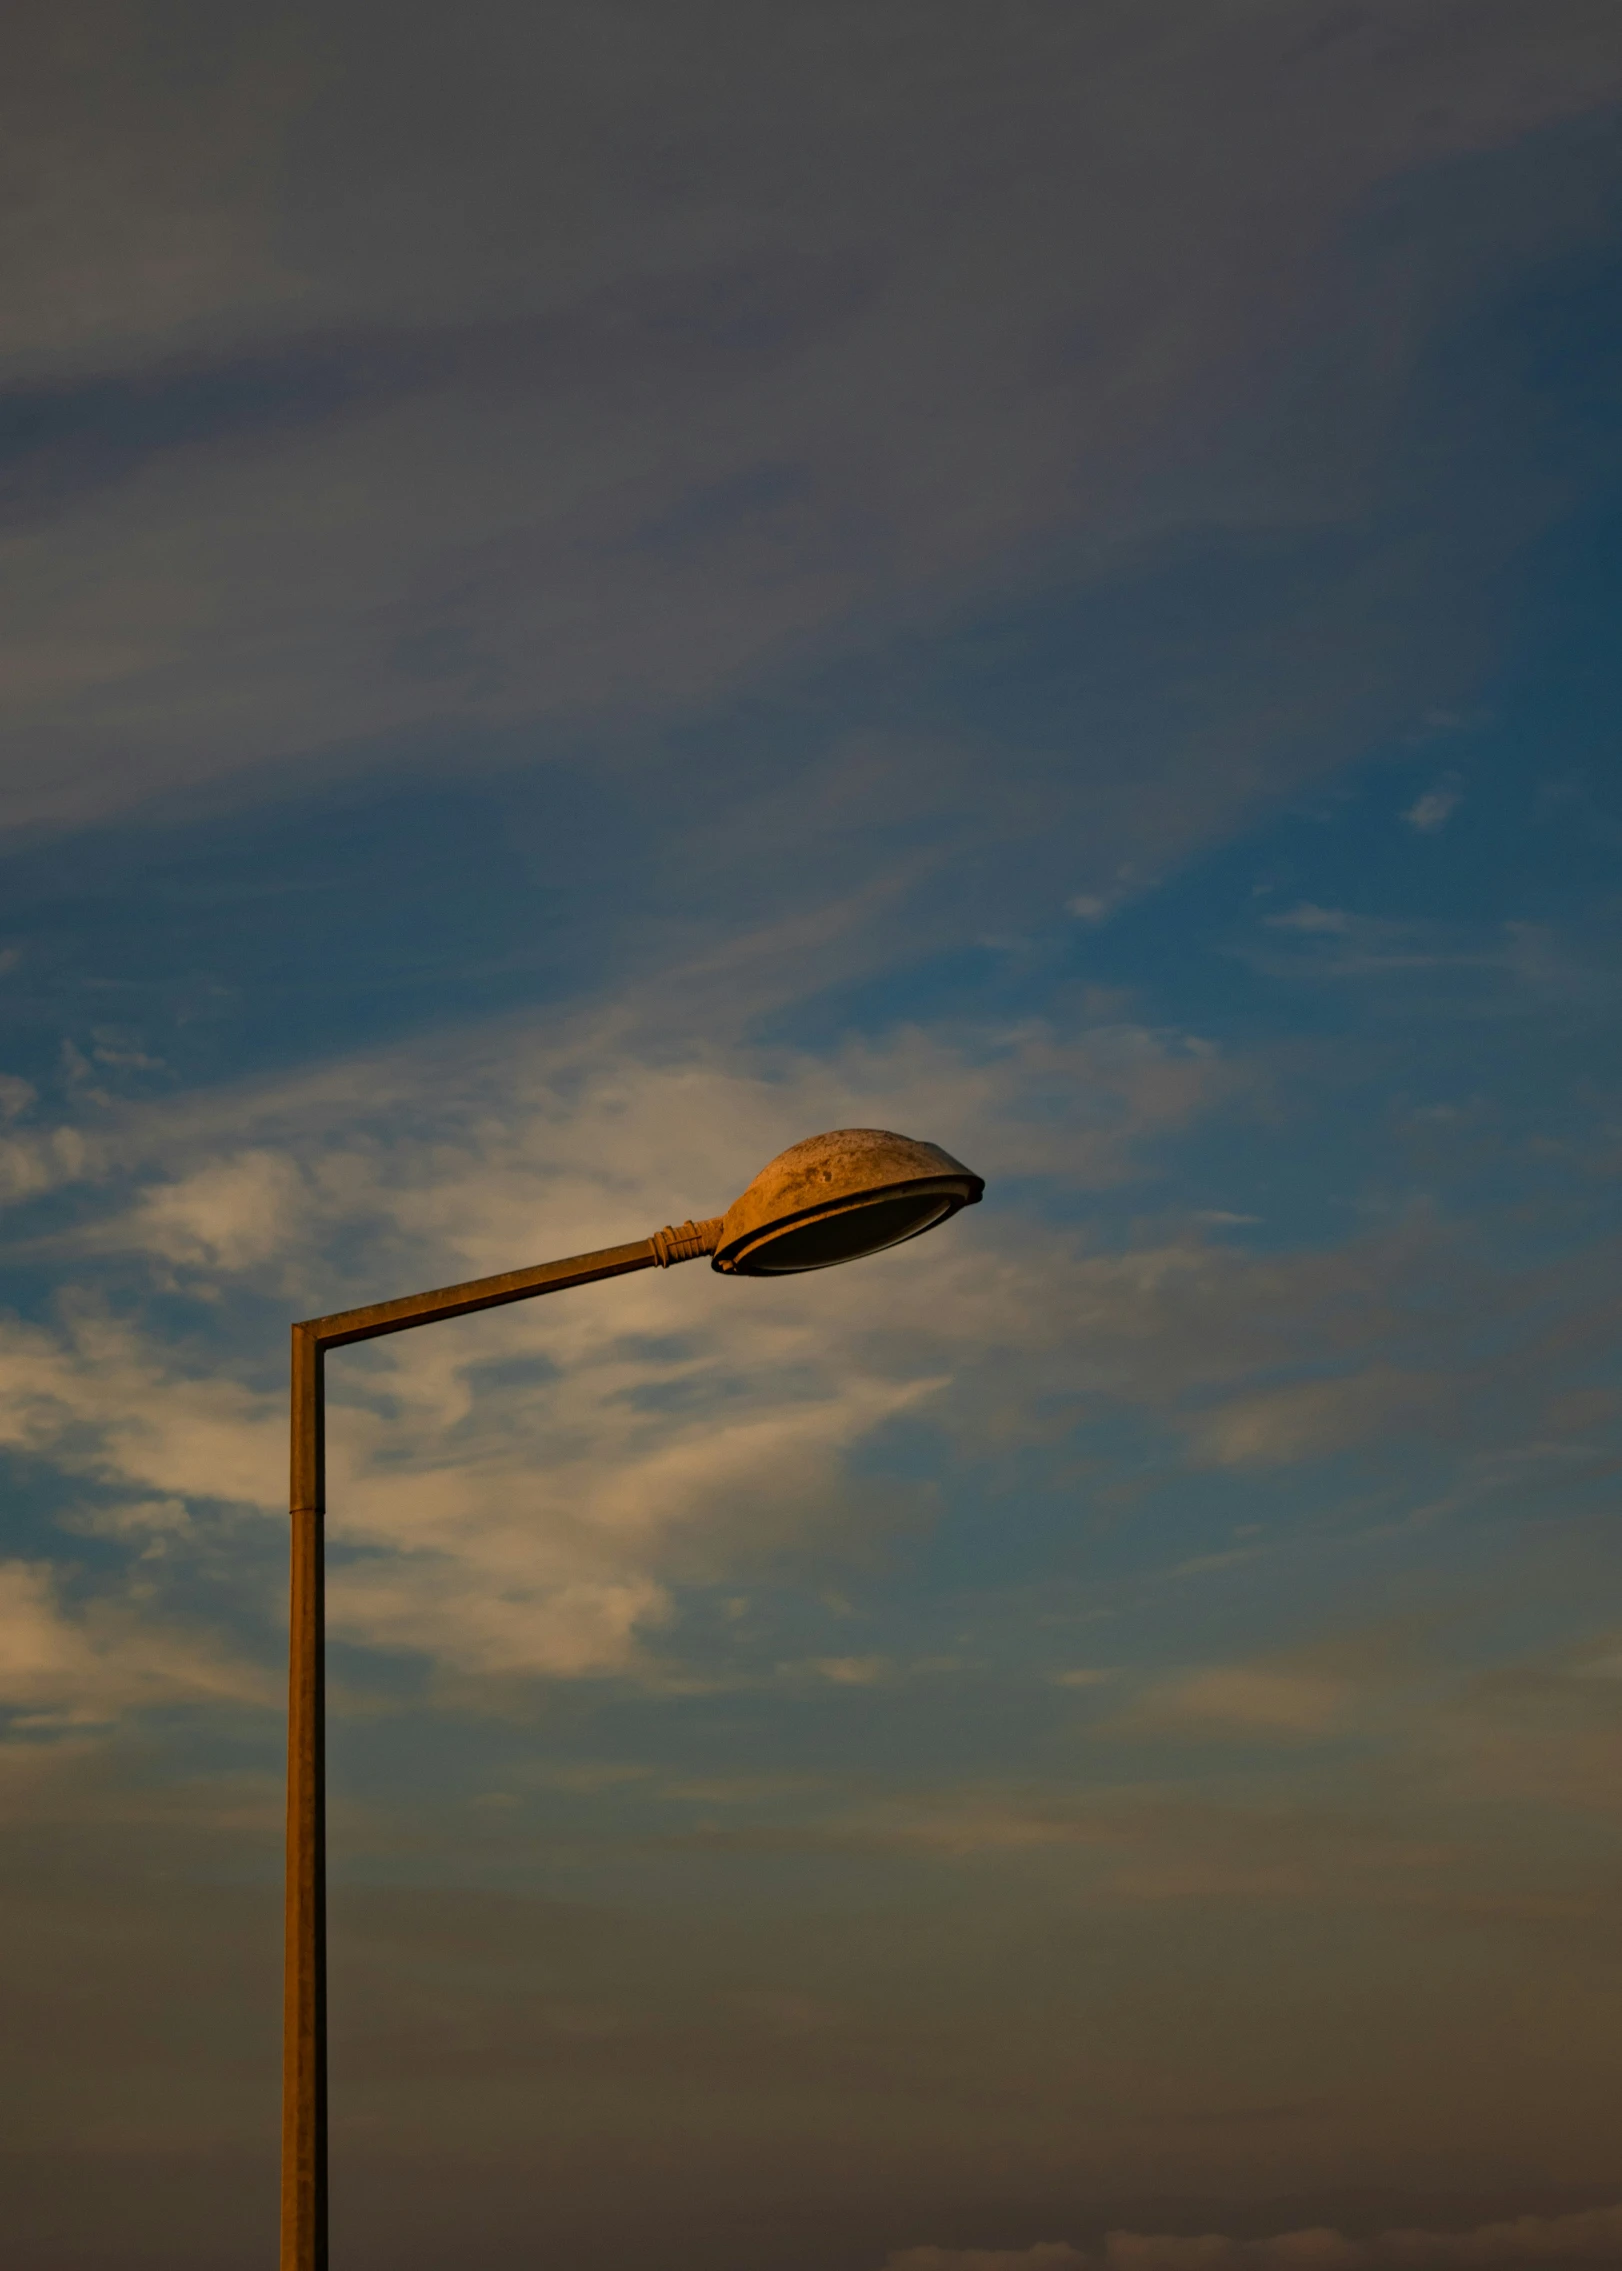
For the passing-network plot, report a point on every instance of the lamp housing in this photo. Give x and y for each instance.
(838, 1196)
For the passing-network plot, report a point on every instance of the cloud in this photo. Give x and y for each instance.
(62, 1669)
(527, 1495)
(530, 398)
(1483, 970)
(1529, 2243)
(16, 1096)
(1314, 920)
(969, 1824)
(519, 1500)
(345, 422)
(1244, 1701)
(850, 1671)
(1432, 812)
(566, 1112)
(1313, 1418)
(1416, 1835)
(228, 1215)
(107, 1402)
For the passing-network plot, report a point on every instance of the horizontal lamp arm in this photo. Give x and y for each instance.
(684, 1243)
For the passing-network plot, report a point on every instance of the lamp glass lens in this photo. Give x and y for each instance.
(842, 1237)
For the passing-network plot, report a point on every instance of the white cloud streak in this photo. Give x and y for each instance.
(58, 1668)
(1528, 2243)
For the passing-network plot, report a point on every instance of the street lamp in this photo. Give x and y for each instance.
(830, 1199)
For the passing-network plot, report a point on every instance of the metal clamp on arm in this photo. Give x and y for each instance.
(686, 1241)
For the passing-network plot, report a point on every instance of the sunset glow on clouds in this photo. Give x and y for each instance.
(596, 591)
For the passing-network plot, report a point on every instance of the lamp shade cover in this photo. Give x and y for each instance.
(836, 1197)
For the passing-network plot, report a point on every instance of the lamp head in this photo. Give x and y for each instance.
(836, 1197)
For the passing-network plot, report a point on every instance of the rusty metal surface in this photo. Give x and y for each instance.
(829, 1174)
(686, 1241)
(477, 1293)
(304, 2008)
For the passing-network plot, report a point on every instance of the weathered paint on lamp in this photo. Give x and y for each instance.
(836, 1197)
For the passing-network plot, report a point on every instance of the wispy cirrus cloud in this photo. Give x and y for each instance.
(59, 1668)
(545, 535)
(1513, 968)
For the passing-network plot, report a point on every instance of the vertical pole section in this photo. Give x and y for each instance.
(304, 2010)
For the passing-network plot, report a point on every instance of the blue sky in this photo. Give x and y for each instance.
(592, 592)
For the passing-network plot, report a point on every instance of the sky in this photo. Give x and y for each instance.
(594, 590)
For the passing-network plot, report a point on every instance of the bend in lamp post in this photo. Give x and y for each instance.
(830, 1199)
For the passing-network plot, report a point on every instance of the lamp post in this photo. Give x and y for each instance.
(830, 1199)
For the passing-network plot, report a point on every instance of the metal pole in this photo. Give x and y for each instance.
(304, 2007)
(304, 1996)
